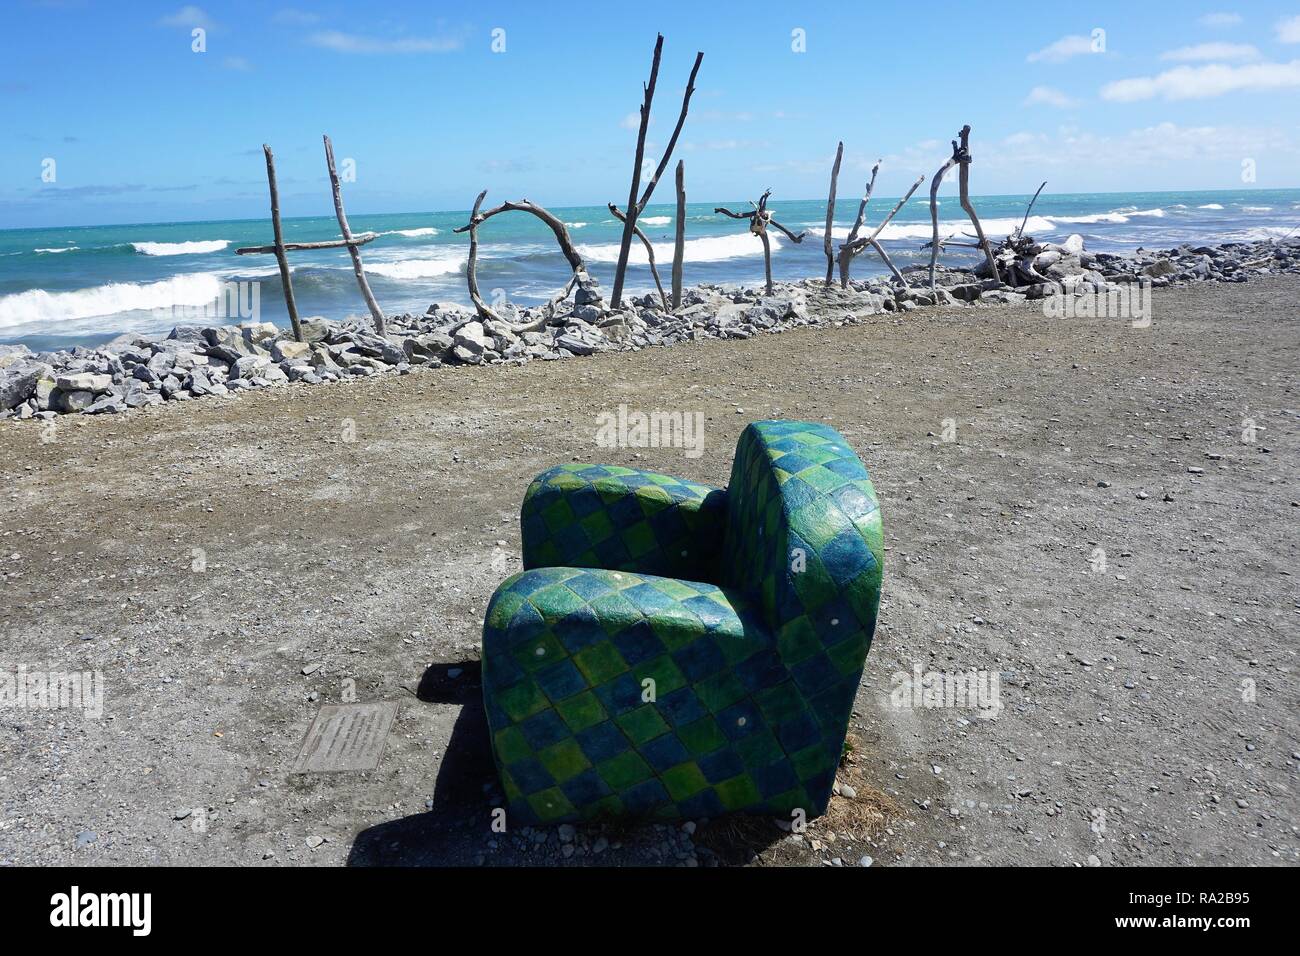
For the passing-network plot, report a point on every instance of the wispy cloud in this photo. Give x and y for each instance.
(342, 42)
(1062, 50)
(631, 121)
(1205, 52)
(1203, 82)
(188, 16)
(1288, 30)
(295, 18)
(1049, 96)
(1219, 20)
(237, 63)
(1153, 148)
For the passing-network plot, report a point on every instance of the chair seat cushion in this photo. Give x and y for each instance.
(613, 693)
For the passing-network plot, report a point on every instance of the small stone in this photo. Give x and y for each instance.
(1093, 860)
(866, 861)
(567, 832)
(314, 841)
(848, 792)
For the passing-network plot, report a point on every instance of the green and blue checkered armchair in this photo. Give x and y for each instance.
(675, 650)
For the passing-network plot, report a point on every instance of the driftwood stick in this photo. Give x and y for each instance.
(679, 240)
(649, 251)
(360, 240)
(767, 259)
(279, 247)
(1028, 210)
(564, 294)
(629, 224)
(892, 213)
(357, 268)
(790, 235)
(844, 257)
(935, 244)
(880, 251)
(471, 267)
(733, 215)
(830, 214)
(672, 140)
(556, 225)
(963, 183)
(853, 248)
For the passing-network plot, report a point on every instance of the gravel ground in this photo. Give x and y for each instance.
(205, 556)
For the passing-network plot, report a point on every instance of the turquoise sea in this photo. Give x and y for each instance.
(83, 285)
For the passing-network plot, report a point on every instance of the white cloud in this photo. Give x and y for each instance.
(631, 121)
(1163, 146)
(1062, 50)
(292, 17)
(1288, 30)
(342, 42)
(1212, 51)
(237, 63)
(189, 17)
(1049, 96)
(1202, 82)
(1220, 20)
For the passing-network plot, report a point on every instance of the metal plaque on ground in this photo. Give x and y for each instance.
(346, 737)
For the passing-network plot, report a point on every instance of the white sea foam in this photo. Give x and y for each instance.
(417, 268)
(575, 225)
(1210, 205)
(656, 220)
(64, 249)
(1256, 233)
(707, 249)
(1256, 208)
(180, 248)
(1095, 217)
(412, 233)
(37, 305)
(923, 230)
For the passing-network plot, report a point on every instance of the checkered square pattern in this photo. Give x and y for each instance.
(624, 519)
(635, 689)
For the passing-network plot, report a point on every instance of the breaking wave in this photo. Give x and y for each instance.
(707, 249)
(180, 248)
(37, 305)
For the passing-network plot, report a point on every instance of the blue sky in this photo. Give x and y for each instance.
(143, 128)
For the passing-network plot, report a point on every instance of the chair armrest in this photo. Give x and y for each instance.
(623, 519)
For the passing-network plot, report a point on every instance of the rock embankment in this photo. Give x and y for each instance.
(191, 362)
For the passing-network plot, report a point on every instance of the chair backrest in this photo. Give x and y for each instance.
(804, 538)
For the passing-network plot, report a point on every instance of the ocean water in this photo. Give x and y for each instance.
(84, 285)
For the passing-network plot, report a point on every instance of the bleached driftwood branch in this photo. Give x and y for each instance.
(854, 246)
(353, 251)
(759, 220)
(477, 218)
(830, 214)
(679, 237)
(963, 185)
(636, 205)
(844, 257)
(649, 251)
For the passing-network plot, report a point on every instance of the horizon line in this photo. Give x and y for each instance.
(436, 212)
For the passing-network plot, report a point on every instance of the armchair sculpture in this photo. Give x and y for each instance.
(675, 650)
